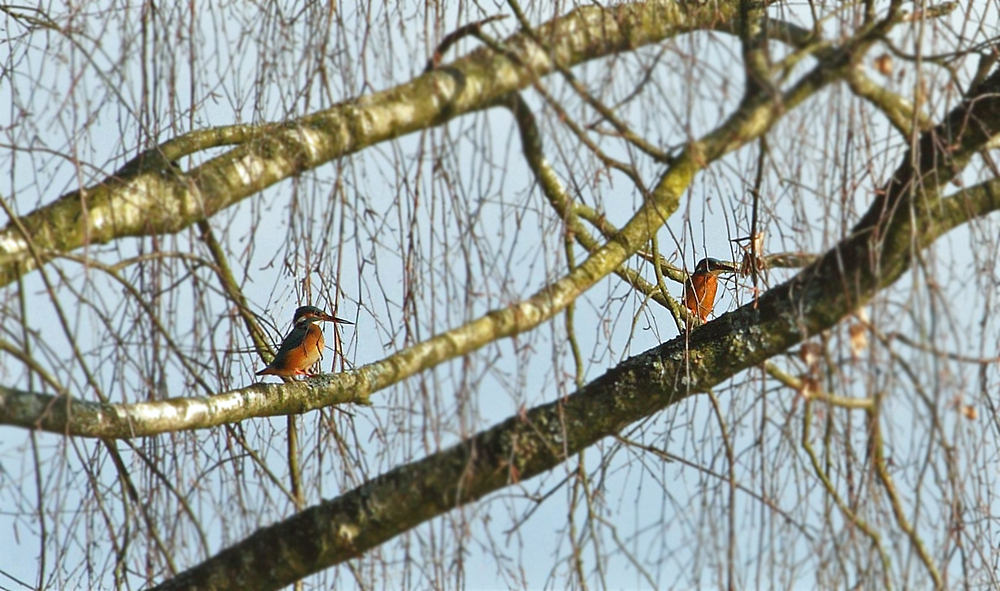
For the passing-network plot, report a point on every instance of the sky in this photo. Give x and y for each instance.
(359, 224)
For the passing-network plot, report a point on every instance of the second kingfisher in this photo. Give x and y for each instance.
(700, 287)
(303, 347)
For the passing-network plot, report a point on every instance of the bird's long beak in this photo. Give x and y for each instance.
(724, 267)
(329, 318)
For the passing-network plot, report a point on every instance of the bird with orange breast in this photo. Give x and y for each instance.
(303, 347)
(700, 287)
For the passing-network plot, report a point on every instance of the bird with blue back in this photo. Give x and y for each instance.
(303, 346)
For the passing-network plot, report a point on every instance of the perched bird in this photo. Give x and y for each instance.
(700, 287)
(303, 347)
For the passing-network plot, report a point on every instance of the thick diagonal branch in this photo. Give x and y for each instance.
(521, 447)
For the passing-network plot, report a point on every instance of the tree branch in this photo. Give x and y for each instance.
(524, 446)
(151, 195)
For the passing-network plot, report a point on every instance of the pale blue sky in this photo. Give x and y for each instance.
(378, 196)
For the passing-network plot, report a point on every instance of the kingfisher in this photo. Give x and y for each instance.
(303, 346)
(700, 287)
